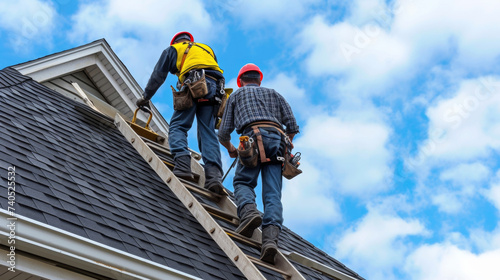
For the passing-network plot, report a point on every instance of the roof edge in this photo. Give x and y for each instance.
(303, 260)
(52, 243)
(24, 65)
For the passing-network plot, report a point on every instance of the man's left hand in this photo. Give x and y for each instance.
(141, 102)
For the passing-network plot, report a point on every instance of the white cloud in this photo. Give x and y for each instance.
(461, 28)
(447, 201)
(370, 54)
(286, 85)
(362, 12)
(139, 31)
(464, 126)
(447, 261)
(262, 13)
(377, 245)
(460, 183)
(367, 59)
(493, 192)
(464, 174)
(27, 22)
(308, 201)
(485, 240)
(352, 154)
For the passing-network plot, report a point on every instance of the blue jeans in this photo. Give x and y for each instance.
(208, 143)
(245, 181)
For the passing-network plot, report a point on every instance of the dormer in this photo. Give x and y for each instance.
(95, 72)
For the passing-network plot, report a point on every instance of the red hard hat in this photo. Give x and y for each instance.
(248, 67)
(180, 33)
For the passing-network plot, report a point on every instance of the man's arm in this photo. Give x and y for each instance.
(288, 119)
(166, 64)
(233, 153)
(226, 127)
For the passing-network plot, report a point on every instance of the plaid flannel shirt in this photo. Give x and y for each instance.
(254, 103)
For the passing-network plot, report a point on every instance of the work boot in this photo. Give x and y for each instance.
(213, 180)
(250, 220)
(269, 250)
(182, 167)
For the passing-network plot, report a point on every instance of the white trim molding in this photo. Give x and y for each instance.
(305, 261)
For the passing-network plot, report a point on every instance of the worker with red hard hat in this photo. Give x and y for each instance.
(264, 116)
(191, 61)
(247, 68)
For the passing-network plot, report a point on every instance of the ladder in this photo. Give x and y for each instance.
(216, 213)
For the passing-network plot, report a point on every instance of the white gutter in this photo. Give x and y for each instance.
(318, 266)
(61, 246)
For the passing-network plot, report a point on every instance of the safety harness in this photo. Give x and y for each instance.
(216, 100)
(280, 155)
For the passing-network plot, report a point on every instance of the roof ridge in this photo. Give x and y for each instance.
(10, 77)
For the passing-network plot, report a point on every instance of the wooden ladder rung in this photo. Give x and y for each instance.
(221, 214)
(259, 262)
(153, 142)
(243, 239)
(201, 191)
(168, 161)
(157, 147)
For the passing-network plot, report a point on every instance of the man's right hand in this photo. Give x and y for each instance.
(233, 153)
(141, 102)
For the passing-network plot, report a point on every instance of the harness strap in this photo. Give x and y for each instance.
(184, 56)
(284, 140)
(211, 77)
(265, 124)
(260, 145)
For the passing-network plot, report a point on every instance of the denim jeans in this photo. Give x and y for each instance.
(208, 143)
(245, 181)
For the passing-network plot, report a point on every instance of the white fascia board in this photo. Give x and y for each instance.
(122, 71)
(55, 70)
(61, 246)
(132, 84)
(318, 266)
(40, 64)
(115, 85)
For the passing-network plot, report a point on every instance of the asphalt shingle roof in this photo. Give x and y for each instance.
(78, 173)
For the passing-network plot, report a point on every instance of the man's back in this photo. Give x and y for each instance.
(253, 103)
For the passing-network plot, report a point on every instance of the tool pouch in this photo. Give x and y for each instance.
(248, 157)
(182, 99)
(222, 105)
(198, 86)
(289, 171)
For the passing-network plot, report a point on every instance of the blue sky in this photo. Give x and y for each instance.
(398, 104)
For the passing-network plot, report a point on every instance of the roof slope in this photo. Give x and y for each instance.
(78, 173)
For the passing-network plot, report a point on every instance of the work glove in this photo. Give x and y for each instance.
(141, 102)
